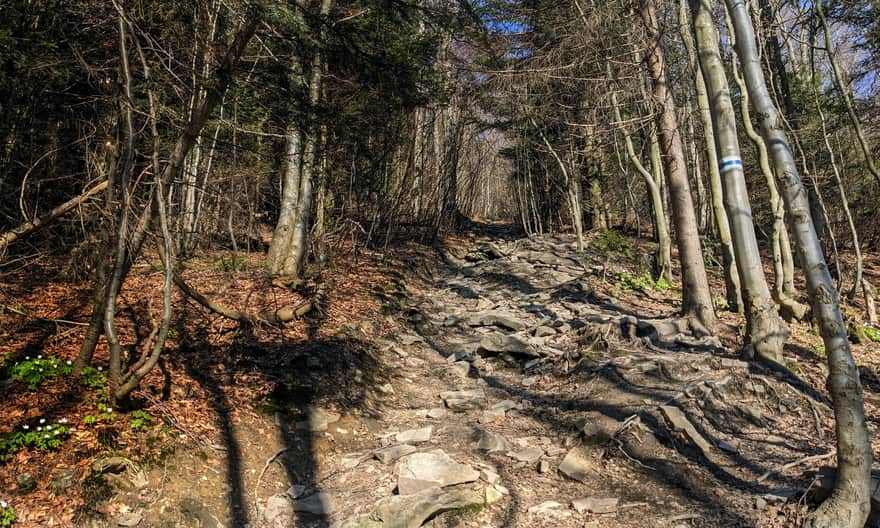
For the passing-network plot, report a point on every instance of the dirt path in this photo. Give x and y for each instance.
(524, 394)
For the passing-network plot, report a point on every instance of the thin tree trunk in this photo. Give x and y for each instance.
(845, 95)
(697, 304)
(849, 504)
(663, 259)
(765, 331)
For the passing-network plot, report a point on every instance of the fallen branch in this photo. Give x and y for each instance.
(276, 317)
(36, 224)
(804, 460)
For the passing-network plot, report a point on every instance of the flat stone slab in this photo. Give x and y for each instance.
(389, 454)
(491, 442)
(318, 419)
(577, 465)
(529, 455)
(681, 423)
(595, 505)
(415, 436)
(421, 471)
(496, 319)
(498, 343)
(411, 511)
(464, 400)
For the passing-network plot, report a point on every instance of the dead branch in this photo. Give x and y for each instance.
(36, 224)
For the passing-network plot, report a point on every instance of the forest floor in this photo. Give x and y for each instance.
(492, 381)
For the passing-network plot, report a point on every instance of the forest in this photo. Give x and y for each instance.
(443, 263)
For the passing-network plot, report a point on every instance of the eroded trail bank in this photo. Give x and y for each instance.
(527, 386)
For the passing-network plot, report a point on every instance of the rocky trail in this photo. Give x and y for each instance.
(523, 393)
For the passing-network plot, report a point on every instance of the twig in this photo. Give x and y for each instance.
(804, 460)
(260, 477)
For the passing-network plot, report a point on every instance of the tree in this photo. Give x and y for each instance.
(849, 504)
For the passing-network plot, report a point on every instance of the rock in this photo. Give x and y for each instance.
(595, 505)
(389, 454)
(498, 343)
(727, 446)
(543, 331)
(387, 388)
(760, 503)
(464, 400)
(503, 405)
(589, 429)
(436, 413)
(459, 369)
(318, 419)
(129, 519)
(491, 442)
(492, 495)
(278, 512)
(415, 436)
(489, 476)
(544, 466)
(529, 381)
(577, 465)
(490, 416)
(496, 319)
(316, 504)
(502, 490)
(529, 455)
(63, 480)
(412, 510)
(205, 519)
(544, 507)
(296, 490)
(25, 482)
(421, 471)
(680, 422)
(408, 340)
(112, 464)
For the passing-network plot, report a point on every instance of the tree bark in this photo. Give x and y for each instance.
(696, 300)
(765, 331)
(849, 504)
(731, 274)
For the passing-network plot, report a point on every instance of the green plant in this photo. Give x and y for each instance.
(872, 333)
(90, 419)
(35, 371)
(92, 378)
(141, 420)
(7, 514)
(720, 303)
(230, 264)
(643, 282)
(609, 242)
(820, 348)
(42, 437)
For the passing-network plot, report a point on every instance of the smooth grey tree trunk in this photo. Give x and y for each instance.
(849, 504)
(697, 304)
(731, 274)
(290, 184)
(765, 331)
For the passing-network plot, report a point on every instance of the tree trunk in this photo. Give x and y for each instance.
(290, 185)
(849, 504)
(845, 95)
(790, 308)
(765, 331)
(663, 259)
(696, 300)
(731, 274)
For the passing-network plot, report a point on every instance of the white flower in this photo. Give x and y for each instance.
(42, 420)
(109, 410)
(69, 362)
(25, 427)
(48, 427)
(40, 357)
(27, 358)
(56, 432)
(45, 436)
(39, 428)
(3, 504)
(62, 421)
(100, 368)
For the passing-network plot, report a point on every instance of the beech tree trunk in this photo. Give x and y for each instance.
(765, 331)
(731, 274)
(849, 504)
(696, 300)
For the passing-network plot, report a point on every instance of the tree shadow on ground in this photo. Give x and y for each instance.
(332, 373)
